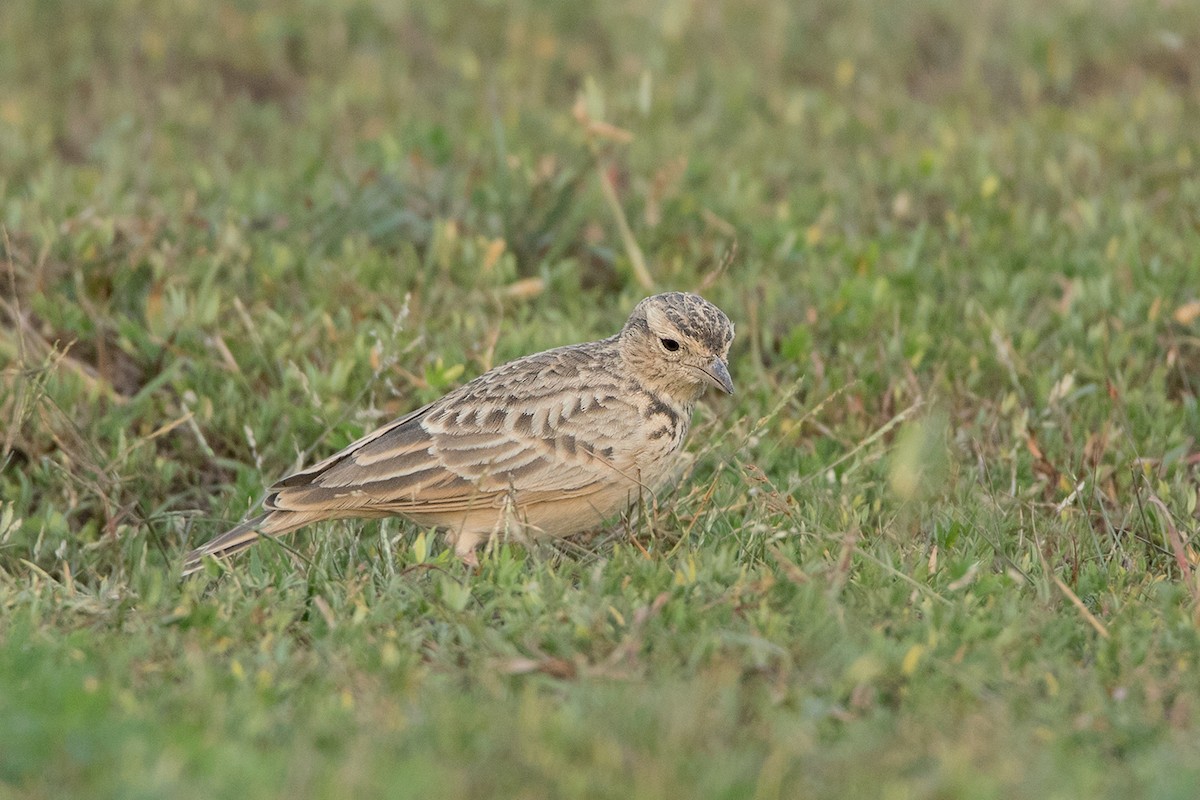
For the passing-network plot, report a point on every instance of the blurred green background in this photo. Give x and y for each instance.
(939, 544)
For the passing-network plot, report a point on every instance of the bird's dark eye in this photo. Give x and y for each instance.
(670, 345)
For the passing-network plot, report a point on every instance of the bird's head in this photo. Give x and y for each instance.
(678, 344)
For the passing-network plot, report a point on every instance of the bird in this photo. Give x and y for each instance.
(550, 444)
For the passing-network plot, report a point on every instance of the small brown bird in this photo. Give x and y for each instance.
(553, 443)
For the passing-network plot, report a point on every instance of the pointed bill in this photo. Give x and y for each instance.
(718, 373)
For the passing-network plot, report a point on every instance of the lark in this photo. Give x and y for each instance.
(551, 444)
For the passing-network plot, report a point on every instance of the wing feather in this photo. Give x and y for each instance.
(538, 439)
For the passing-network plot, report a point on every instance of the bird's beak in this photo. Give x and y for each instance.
(718, 373)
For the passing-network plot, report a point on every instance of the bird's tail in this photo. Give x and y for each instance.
(237, 539)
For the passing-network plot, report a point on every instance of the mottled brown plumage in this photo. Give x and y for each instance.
(553, 443)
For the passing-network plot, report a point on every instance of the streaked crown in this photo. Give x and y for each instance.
(690, 315)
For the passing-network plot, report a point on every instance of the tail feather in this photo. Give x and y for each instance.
(238, 538)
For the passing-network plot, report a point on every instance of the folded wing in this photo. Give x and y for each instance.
(468, 452)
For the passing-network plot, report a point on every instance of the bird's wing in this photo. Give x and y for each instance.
(542, 439)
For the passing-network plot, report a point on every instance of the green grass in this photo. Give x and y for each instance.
(940, 544)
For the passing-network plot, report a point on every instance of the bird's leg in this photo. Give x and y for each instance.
(465, 543)
(469, 559)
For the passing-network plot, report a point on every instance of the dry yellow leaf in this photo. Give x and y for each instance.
(1187, 313)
